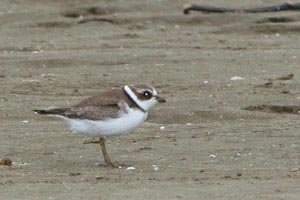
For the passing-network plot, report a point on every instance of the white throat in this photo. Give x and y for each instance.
(143, 105)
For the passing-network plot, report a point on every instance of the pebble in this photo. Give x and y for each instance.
(130, 168)
(295, 169)
(237, 78)
(155, 167)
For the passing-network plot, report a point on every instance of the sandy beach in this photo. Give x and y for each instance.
(229, 129)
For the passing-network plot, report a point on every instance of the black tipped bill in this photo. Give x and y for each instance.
(160, 99)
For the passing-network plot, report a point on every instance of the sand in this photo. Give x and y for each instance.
(202, 144)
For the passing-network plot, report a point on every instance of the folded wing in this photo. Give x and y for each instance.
(100, 107)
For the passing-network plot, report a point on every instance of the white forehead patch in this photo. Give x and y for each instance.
(154, 92)
(145, 105)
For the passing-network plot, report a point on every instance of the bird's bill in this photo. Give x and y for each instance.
(160, 99)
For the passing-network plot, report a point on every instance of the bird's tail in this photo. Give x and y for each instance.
(55, 111)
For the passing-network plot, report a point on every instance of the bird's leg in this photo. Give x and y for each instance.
(104, 152)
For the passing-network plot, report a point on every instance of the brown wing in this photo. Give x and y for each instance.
(92, 112)
(102, 106)
(87, 112)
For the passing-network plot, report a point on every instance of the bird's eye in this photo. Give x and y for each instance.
(147, 94)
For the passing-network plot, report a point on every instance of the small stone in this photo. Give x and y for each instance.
(130, 168)
(295, 169)
(155, 167)
(6, 162)
(236, 78)
(74, 173)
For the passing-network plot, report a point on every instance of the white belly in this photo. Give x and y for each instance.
(109, 127)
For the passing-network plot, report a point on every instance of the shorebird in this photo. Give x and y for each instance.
(111, 113)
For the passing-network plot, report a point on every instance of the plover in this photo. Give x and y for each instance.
(110, 113)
